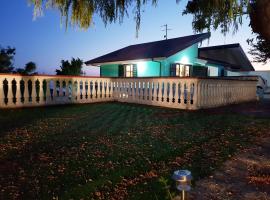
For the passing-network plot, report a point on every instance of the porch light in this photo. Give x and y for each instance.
(141, 67)
(184, 60)
(183, 181)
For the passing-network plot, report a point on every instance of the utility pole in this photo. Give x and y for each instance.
(166, 31)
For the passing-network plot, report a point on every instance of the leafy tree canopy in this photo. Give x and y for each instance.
(6, 59)
(207, 14)
(74, 67)
(81, 13)
(29, 69)
(260, 49)
(227, 14)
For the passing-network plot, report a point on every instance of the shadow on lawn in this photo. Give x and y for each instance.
(102, 151)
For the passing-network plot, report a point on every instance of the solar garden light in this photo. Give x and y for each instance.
(183, 181)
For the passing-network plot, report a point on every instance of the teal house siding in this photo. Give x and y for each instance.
(152, 68)
(109, 70)
(148, 69)
(186, 56)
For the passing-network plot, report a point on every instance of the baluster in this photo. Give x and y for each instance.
(80, 97)
(86, 89)
(135, 92)
(130, 89)
(37, 90)
(57, 88)
(75, 90)
(179, 92)
(151, 90)
(55, 93)
(91, 92)
(2, 96)
(5, 91)
(185, 93)
(64, 88)
(143, 90)
(69, 89)
(139, 90)
(173, 96)
(154, 95)
(165, 92)
(115, 90)
(41, 93)
(124, 90)
(105, 88)
(192, 92)
(29, 86)
(101, 89)
(127, 89)
(121, 89)
(14, 88)
(51, 89)
(158, 85)
(43, 90)
(110, 88)
(10, 93)
(98, 90)
(170, 88)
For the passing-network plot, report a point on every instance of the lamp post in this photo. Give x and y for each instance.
(183, 181)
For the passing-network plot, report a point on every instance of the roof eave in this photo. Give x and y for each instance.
(124, 61)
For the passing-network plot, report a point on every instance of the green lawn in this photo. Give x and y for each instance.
(113, 150)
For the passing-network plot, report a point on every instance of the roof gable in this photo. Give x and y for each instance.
(151, 50)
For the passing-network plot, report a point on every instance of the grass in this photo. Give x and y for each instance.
(114, 151)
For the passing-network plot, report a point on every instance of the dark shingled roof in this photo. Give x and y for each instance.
(151, 50)
(231, 56)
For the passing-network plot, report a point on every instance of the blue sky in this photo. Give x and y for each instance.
(46, 43)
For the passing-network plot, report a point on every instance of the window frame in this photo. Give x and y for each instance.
(182, 70)
(130, 71)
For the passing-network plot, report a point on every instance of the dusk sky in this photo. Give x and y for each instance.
(46, 43)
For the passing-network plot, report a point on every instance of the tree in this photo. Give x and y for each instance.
(207, 14)
(260, 49)
(225, 14)
(29, 69)
(74, 67)
(81, 13)
(6, 59)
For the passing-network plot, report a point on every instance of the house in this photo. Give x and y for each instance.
(178, 57)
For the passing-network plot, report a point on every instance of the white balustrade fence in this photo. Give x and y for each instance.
(166, 92)
(25, 91)
(181, 93)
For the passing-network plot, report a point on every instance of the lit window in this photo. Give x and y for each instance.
(182, 70)
(186, 70)
(128, 70)
(177, 68)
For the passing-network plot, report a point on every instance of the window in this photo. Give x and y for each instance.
(182, 70)
(128, 70)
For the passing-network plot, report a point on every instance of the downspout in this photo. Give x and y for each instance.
(159, 66)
